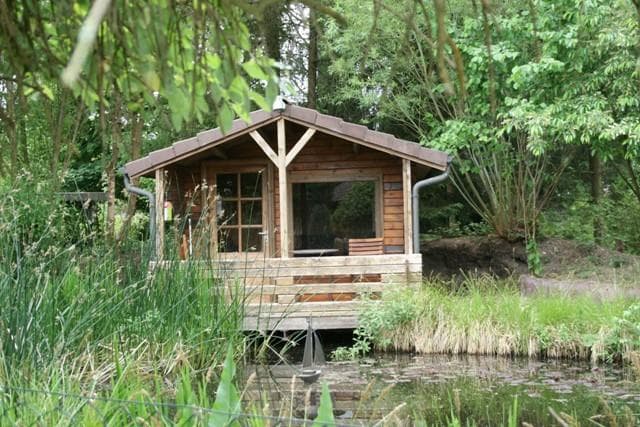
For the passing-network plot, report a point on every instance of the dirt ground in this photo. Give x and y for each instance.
(563, 260)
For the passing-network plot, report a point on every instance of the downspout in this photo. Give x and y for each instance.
(152, 207)
(415, 202)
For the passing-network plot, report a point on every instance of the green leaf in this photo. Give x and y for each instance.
(152, 80)
(271, 92)
(325, 411)
(259, 100)
(213, 61)
(254, 71)
(238, 90)
(225, 118)
(227, 405)
(48, 92)
(176, 120)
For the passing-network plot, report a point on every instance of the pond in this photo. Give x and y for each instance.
(435, 389)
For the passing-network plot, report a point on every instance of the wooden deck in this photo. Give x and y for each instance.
(281, 294)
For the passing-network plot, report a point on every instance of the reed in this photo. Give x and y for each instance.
(85, 317)
(490, 317)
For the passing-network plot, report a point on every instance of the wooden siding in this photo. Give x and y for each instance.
(325, 155)
(183, 191)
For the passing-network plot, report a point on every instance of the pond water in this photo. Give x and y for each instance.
(435, 388)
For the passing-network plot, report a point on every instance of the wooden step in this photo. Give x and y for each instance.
(299, 323)
(317, 288)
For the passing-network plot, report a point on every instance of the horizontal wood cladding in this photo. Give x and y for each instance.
(323, 158)
(184, 190)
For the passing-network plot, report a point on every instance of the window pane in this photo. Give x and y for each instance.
(327, 214)
(228, 240)
(251, 212)
(252, 239)
(229, 214)
(227, 184)
(251, 184)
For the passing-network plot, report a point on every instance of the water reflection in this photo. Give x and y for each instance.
(436, 386)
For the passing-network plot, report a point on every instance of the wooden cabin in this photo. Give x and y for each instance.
(305, 211)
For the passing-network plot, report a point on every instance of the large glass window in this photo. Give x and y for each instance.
(327, 214)
(240, 221)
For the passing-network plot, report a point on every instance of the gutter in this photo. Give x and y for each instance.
(152, 207)
(415, 202)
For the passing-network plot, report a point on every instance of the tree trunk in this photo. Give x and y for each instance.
(595, 166)
(271, 27)
(57, 124)
(312, 68)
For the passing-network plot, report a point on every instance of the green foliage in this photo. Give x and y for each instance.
(325, 410)
(485, 316)
(539, 78)
(353, 213)
(227, 404)
(533, 257)
(625, 334)
(573, 214)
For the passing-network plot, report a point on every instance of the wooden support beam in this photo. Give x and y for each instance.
(300, 145)
(212, 219)
(265, 146)
(407, 208)
(159, 219)
(284, 190)
(270, 248)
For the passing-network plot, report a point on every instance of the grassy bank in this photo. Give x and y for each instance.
(485, 316)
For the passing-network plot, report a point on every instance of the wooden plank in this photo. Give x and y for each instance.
(394, 241)
(242, 261)
(299, 145)
(159, 219)
(299, 323)
(394, 233)
(264, 146)
(392, 177)
(335, 175)
(212, 219)
(393, 226)
(318, 288)
(349, 164)
(305, 271)
(388, 201)
(406, 190)
(319, 307)
(392, 210)
(283, 190)
(269, 211)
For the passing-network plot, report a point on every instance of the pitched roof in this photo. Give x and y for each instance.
(304, 116)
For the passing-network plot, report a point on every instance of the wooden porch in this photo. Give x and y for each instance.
(281, 294)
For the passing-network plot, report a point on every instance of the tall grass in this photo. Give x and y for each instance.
(485, 316)
(76, 310)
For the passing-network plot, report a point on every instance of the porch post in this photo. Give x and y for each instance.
(284, 191)
(406, 201)
(159, 219)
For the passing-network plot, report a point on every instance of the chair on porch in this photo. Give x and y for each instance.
(371, 246)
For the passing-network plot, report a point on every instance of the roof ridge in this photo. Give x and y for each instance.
(305, 116)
